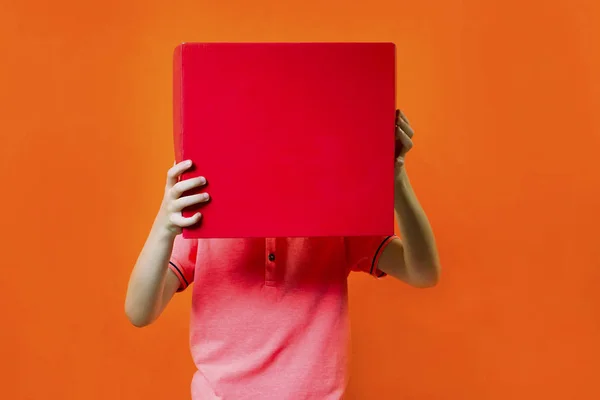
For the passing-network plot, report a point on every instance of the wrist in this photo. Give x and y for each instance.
(161, 229)
(401, 178)
(402, 191)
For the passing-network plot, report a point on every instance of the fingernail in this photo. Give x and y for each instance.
(206, 196)
(188, 162)
(202, 179)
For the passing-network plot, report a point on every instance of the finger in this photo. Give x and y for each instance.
(176, 170)
(404, 130)
(405, 127)
(183, 186)
(188, 201)
(405, 141)
(183, 222)
(403, 117)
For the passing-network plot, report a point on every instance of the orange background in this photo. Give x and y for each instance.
(503, 96)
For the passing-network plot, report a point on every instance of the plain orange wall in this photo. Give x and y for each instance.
(503, 96)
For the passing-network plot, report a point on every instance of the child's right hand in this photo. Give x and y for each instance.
(170, 216)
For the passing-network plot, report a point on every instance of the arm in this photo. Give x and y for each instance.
(152, 284)
(414, 260)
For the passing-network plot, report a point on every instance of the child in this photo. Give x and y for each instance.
(270, 316)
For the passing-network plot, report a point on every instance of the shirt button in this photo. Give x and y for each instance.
(271, 257)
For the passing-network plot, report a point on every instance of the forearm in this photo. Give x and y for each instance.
(144, 299)
(420, 252)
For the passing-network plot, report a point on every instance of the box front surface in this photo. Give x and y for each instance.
(295, 139)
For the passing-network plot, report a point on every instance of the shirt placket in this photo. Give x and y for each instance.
(270, 261)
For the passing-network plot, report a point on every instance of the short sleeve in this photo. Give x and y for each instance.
(363, 253)
(183, 260)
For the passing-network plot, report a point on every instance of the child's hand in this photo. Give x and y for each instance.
(169, 216)
(404, 135)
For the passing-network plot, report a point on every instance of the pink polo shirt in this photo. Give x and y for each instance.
(269, 317)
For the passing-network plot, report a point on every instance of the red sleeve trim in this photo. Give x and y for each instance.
(374, 270)
(183, 282)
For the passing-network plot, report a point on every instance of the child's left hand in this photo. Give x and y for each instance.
(404, 134)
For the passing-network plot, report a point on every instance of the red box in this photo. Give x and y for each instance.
(295, 139)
